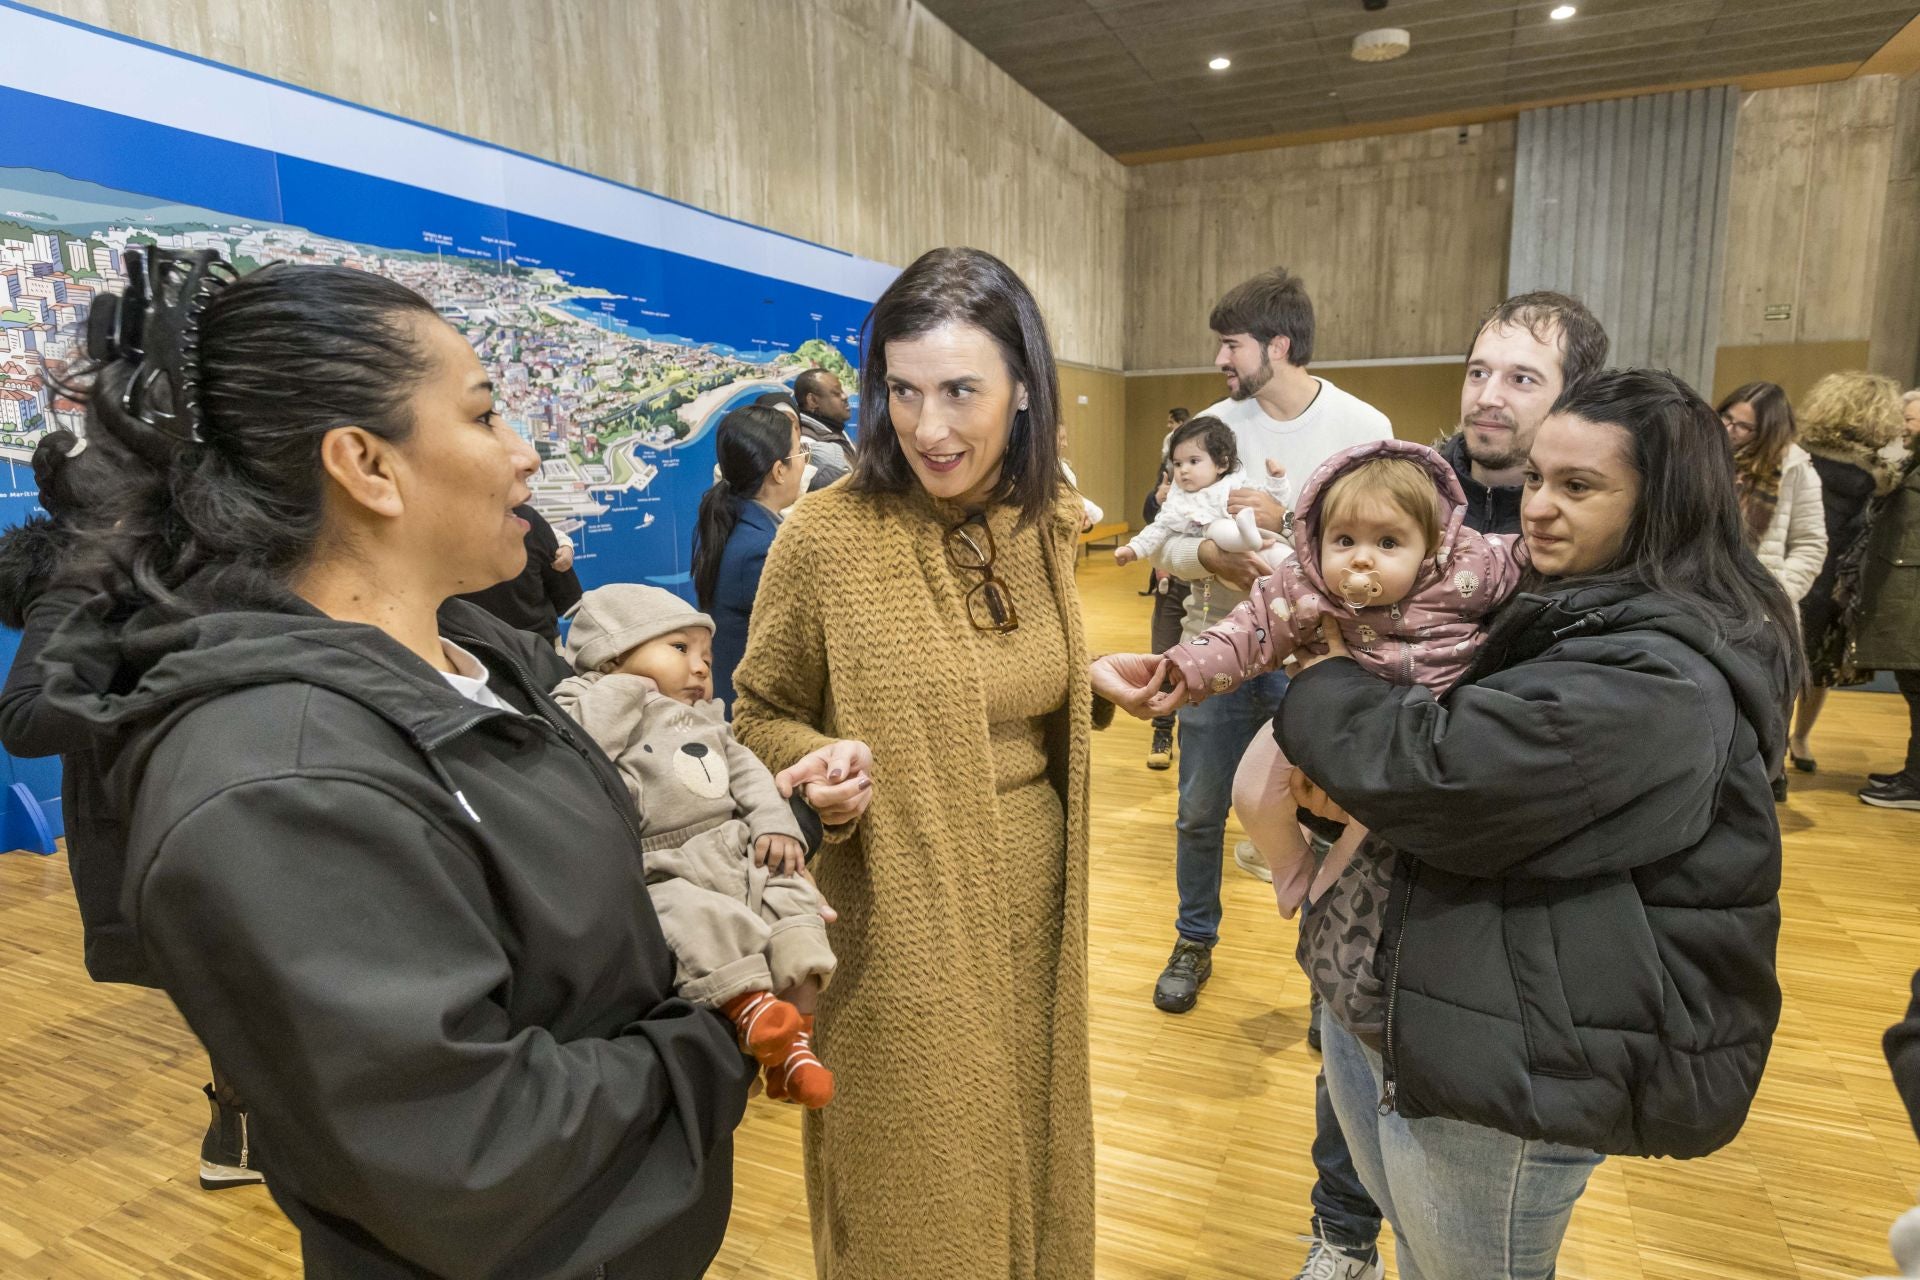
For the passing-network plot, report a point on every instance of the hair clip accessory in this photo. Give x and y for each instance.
(157, 323)
(115, 319)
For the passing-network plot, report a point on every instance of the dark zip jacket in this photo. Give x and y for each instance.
(30, 561)
(1489, 510)
(416, 933)
(1579, 943)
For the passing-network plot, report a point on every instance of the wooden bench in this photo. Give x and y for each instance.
(1113, 533)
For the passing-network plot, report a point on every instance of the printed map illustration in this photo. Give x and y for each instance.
(614, 359)
(618, 326)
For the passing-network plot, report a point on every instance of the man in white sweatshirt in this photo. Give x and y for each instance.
(1279, 412)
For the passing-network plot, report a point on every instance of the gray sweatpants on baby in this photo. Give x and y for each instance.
(733, 927)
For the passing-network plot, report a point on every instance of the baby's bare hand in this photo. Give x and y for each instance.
(782, 855)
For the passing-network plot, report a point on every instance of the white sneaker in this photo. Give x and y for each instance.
(1248, 859)
(1324, 1262)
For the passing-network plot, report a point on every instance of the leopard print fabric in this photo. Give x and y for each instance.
(1339, 937)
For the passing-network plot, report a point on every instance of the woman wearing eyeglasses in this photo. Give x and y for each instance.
(762, 466)
(918, 626)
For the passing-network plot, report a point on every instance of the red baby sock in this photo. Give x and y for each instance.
(767, 1025)
(801, 1077)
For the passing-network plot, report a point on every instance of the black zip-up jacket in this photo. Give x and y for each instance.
(30, 560)
(1495, 510)
(416, 933)
(1579, 943)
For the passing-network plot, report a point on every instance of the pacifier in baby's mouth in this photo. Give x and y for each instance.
(1360, 589)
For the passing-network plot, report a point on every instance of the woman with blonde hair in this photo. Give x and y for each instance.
(1844, 422)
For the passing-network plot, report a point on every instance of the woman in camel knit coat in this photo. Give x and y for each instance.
(924, 610)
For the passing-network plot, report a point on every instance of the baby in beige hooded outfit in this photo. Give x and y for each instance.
(723, 851)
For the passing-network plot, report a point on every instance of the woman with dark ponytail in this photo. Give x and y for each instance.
(340, 791)
(762, 463)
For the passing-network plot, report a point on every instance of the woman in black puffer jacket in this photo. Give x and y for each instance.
(1560, 943)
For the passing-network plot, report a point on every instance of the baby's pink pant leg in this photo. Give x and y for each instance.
(1337, 858)
(1265, 804)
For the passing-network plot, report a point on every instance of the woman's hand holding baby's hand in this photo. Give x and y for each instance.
(782, 855)
(1129, 681)
(836, 781)
(1167, 701)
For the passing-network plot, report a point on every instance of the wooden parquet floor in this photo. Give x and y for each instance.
(1203, 1121)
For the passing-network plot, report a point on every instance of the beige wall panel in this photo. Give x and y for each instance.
(1402, 241)
(1896, 312)
(1796, 366)
(1095, 446)
(1772, 158)
(866, 125)
(1810, 174)
(1852, 158)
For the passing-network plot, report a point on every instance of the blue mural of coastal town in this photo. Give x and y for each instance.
(615, 358)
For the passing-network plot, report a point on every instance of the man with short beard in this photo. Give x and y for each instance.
(1526, 351)
(1282, 417)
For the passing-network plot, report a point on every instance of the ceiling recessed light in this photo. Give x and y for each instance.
(1383, 45)
(1562, 13)
(1220, 64)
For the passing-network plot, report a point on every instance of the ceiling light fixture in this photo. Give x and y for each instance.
(1562, 13)
(1383, 45)
(1220, 64)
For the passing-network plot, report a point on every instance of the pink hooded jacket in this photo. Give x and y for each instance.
(1428, 638)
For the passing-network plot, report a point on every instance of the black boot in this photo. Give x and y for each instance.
(227, 1156)
(1188, 969)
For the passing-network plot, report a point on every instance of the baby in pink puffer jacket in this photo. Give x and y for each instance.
(1381, 550)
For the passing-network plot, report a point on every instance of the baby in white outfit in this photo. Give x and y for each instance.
(1205, 460)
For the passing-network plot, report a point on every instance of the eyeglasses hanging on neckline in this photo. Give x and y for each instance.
(970, 549)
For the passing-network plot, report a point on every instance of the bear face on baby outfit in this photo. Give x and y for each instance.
(678, 760)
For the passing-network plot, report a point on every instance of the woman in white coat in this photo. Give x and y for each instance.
(1779, 490)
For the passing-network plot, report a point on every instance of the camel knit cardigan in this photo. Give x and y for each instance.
(849, 640)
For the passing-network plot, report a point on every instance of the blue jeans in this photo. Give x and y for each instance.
(1213, 737)
(1466, 1202)
(1344, 1215)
